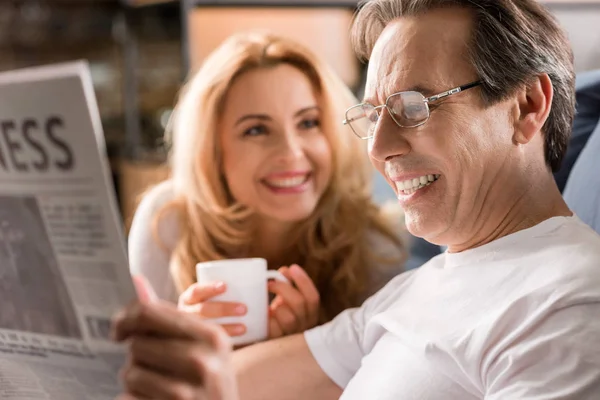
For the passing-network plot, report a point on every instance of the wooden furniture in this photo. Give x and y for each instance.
(320, 25)
(135, 179)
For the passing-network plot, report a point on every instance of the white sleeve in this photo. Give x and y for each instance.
(339, 346)
(146, 256)
(558, 359)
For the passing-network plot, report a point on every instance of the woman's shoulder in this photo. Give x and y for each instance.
(151, 240)
(153, 203)
(388, 253)
(157, 196)
(383, 244)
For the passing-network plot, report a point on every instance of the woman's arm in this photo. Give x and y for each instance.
(148, 257)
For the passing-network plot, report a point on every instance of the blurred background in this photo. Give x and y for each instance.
(140, 51)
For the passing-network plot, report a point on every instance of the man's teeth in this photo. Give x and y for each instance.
(287, 182)
(412, 185)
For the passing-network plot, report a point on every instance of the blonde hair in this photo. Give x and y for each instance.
(331, 245)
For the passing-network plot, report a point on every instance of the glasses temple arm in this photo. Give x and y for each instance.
(470, 85)
(452, 91)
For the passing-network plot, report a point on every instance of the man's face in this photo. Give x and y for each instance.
(463, 142)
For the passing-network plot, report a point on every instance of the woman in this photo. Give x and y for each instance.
(262, 167)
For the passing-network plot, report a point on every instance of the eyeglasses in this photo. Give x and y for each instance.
(407, 109)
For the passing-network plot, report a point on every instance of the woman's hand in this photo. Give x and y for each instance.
(294, 309)
(195, 301)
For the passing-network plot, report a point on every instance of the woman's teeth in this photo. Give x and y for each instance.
(285, 183)
(412, 185)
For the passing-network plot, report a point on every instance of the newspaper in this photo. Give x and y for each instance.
(63, 263)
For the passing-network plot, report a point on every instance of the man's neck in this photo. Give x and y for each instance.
(513, 211)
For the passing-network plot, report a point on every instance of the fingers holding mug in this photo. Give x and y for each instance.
(216, 309)
(201, 292)
(196, 300)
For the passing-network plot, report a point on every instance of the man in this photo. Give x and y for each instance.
(579, 166)
(479, 101)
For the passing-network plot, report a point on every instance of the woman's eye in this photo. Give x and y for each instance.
(255, 130)
(310, 123)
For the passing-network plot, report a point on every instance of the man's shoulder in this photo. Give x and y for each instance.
(578, 246)
(568, 269)
(562, 237)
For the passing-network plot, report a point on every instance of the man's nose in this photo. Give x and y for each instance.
(388, 140)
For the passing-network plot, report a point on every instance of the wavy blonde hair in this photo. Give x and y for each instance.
(332, 244)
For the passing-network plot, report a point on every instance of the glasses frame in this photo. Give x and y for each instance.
(426, 100)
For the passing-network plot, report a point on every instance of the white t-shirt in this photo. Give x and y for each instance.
(518, 318)
(152, 261)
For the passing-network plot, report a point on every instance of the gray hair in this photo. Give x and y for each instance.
(512, 41)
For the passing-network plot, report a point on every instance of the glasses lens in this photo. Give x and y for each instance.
(362, 118)
(409, 109)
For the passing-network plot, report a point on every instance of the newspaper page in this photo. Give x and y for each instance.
(63, 263)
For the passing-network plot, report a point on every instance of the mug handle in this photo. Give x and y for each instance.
(278, 276)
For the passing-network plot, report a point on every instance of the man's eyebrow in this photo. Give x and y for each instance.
(424, 90)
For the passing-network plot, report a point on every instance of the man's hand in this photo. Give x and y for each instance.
(173, 355)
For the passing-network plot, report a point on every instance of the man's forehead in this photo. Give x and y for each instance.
(423, 51)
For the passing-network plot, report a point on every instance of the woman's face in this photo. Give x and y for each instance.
(276, 159)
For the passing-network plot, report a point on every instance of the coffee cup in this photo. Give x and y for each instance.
(246, 280)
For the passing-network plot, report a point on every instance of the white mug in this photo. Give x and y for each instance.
(246, 280)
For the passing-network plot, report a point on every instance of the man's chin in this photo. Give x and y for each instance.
(424, 227)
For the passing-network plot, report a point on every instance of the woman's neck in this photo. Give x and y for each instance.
(275, 242)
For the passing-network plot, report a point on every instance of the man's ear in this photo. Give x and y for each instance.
(534, 103)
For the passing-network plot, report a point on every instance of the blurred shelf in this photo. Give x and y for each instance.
(570, 2)
(145, 3)
(271, 3)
